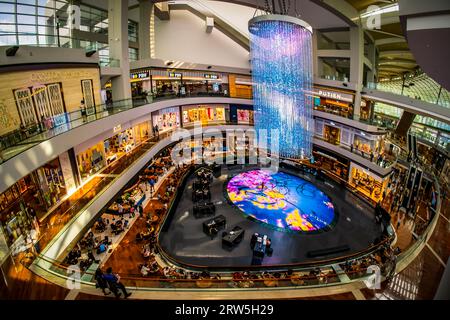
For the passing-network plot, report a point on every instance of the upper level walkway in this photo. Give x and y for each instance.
(412, 105)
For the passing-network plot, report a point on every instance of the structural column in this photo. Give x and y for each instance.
(373, 60)
(74, 15)
(118, 47)
(145, 13)
(357, 66)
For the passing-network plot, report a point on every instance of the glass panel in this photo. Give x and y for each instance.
(26, 9)
(7, 18)
(7, 28)
(7, 40)
(32, 40)
(6, 7)
(21, 29)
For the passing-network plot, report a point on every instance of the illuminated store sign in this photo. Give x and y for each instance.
(211, 76)
(334, 95)
(175, 75)
(140, 75)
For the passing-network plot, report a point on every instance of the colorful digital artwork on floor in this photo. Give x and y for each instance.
(281, 200)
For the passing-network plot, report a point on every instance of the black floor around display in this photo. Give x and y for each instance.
(185, 242)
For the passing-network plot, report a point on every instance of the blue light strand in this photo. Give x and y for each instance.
(282, 75)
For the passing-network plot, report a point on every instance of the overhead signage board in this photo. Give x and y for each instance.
(211, 76)
(140, 75)
(175, 74)
(333, 95)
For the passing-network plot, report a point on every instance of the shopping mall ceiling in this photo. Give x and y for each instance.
(395, 57)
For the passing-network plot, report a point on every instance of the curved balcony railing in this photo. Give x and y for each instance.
(21, 140)
(303, 274)
(420, 87)
(301, 277)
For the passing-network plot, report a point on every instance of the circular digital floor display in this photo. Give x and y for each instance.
(281, 200)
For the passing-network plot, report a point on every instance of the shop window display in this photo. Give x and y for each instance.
(368, 145)
(118, 145)
(91, 161)
(29, 199)
(332, 134)
(337, 107)
(331, 164)
(367, 183)
(204, 114)
(245, 116)
(166, 119)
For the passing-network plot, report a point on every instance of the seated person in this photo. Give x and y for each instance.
(145, 270)
(102, 248)
(146, 252)
(91, 257)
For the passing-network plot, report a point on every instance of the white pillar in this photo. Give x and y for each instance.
(145, 12)
(372, 57)
(118, 47)
(74, 22)
(357, 66)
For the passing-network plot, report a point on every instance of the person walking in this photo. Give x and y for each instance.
(100, 282)
(151, 182)
(114, 283)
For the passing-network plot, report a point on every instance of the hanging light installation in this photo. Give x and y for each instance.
(281, 62)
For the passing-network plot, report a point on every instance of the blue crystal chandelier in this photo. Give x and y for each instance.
(281, 61)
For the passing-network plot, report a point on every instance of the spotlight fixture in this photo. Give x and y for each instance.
(11, 52)
(169, 63)
(90, 53)
(209, 67)
(345, 85)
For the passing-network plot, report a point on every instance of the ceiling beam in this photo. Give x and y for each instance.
(389, 40)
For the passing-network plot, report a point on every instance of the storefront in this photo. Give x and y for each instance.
(166, 119)
(91, 160)
(170, 82)
(118, 145)
(335, 102)
(366, 111)
(332, 134)
(368, 143)
(367, 183)
(40, 190)
(339, 134)
(205, 114)
(46, 95)
(140, 84)
(142, 132)
(331, 162)
(240, 86)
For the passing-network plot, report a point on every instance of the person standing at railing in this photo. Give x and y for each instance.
(114, 283)
(42, 124)
(83, 110)
(100, 281)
